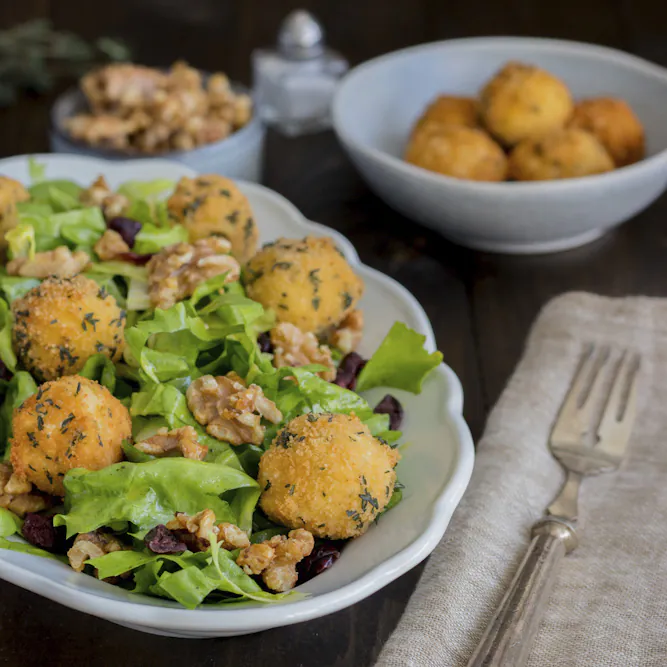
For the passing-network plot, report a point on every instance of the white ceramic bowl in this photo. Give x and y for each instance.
(238, 156)
(378, 102)
(435, 467)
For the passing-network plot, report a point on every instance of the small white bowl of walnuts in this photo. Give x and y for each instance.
(127, 110)
(509, 144)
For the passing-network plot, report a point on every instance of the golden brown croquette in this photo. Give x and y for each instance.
(524, 102)
(327, 473)
(306, 282)
(69, 423)
(614, 124)
(61, 323)
(568, 153)
(210, 205)
(460, 152)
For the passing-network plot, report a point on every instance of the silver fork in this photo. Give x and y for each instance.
(509, 636)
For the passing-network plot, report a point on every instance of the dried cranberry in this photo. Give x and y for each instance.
(39, 530)
(161, 540)
(5, 373)
(264, 342)
(322, 557)
(348, 370)
(127, 228)
(134, 258)
(390, 405)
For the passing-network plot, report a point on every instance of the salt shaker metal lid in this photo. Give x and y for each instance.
(301, 36)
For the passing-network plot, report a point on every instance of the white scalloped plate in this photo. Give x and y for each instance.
(435, 468)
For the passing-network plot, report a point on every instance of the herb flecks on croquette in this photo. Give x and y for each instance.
(327, 473)
(302, 281)
(89, 322)
(69, 423)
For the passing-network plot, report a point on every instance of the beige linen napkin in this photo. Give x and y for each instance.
(609, 607)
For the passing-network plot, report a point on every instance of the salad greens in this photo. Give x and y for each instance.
(150, 493)
(213, 332)
(7, 355)
(20, 387)
(55, 216)
(9, 523)
(400, 362)
(189, 578)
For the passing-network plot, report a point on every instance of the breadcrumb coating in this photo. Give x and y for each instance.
(69, 423)
(327, 473)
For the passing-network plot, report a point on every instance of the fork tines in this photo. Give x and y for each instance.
(591, 391)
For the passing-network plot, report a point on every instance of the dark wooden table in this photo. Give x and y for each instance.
(481, 306)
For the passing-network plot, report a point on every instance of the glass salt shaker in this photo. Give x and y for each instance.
(294, 84)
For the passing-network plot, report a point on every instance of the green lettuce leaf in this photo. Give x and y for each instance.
(189, 578)
(146, 494)
(36, 170)
(118, 562)
(396, 497)
(61, 195)
(170, 356)
(20, 387)
(6, 350)
(323, 396)
(21, 241)
(137, 295)
(189, 586)
(134, 455)
(15, 287)
(147, 204)
(152, 238)
(9, 523)
(400, 362)
(78, 228)
(190, 339)
(148, 190)
(25, 548)
(101, 369)
(124, 269)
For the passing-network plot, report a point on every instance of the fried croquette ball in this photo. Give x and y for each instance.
(449, 110)
(524, 102)
(306, 282)
(214, 206)
(568, 153)
(69, 423)
(63, 322)
(615, 125)
(326, 473)
(460, 152)
(11, 193)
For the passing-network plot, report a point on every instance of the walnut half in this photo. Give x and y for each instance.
(92, 545)
(110, 246)
(347, 335)
(293, 347)
(100, 194)
(202, 526)
(231, 411)
(165, 442)
(17, 495)
(175, 272)
(276, 559)
(60, 262)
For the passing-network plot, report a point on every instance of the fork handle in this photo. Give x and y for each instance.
(509, 636)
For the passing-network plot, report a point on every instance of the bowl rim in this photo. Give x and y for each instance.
(232, 142)
(554, 186)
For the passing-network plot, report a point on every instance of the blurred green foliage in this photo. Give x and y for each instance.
(33, 56)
